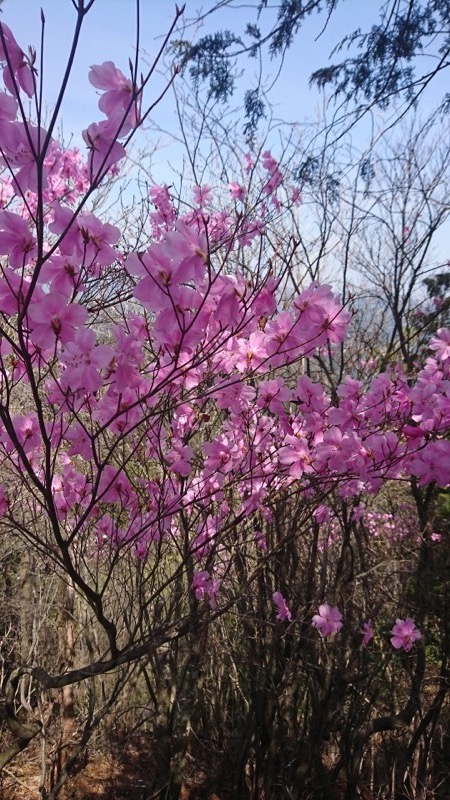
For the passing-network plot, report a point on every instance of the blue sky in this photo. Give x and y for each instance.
(109, 34)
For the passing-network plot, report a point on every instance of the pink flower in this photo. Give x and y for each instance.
(296, 455)
(53, 318)
(83, 359)
(248, 162)
(322, 514)
(18, 65)
(20, 144)
(27, 430)
(114, 486)
(85, 237)
(16, 240)
(104, 150)
(202, 195)
(108, 78)
(98, 239)
(252, 352)
(404, 634)
(268, 161)
(13, 291)
(265, 301)
(201, 583)
(273, 394)
(8, 107)
(205, 587)
(80, 440)
(63, 273)
(283, 610)
(178, 260)
(367, 632)
(118, 100)
(179, 458)
(237, 192)
(328, 620)
(441, 344)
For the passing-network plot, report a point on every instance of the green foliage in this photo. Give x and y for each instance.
(443, 507)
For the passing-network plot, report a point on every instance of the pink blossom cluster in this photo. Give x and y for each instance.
(120, 102)
(179, 418)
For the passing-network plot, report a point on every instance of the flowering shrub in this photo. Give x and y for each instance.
(139, 436)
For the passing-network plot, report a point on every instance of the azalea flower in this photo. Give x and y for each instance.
(237, 192)
(283, 609)
(367, 632)
(104, 150)
(404, 634)
(328, 620)
(119, 96)
(16, 64)
(202, 195)
(16, 239)
(441, 344)
(205, 587)
(53, 318)
(201, 583)
(84, 358)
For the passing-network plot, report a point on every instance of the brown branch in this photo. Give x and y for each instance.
(389, 722)
(24, 732)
